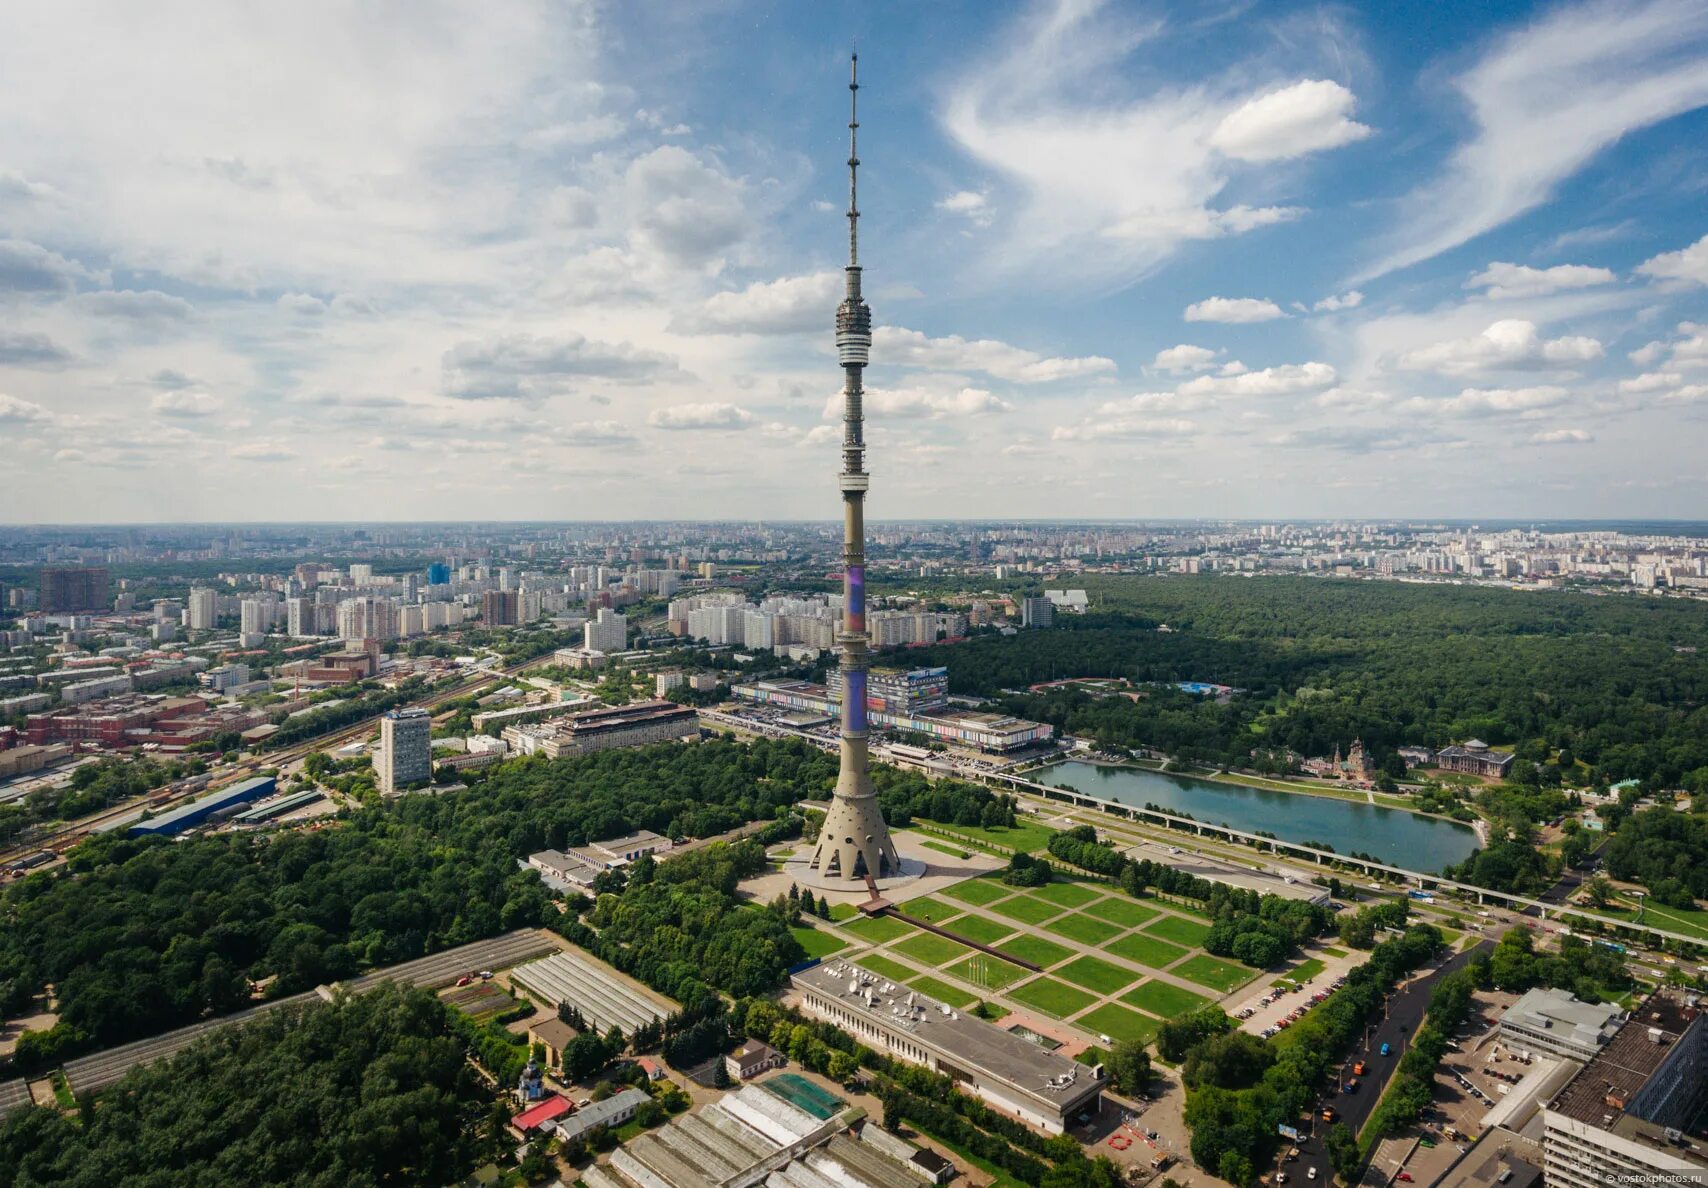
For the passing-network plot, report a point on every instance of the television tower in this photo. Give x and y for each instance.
(854, 843)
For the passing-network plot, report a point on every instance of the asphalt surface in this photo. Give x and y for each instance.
(1406, 1008)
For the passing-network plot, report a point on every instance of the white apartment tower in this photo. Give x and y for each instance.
(203, 611)
(607, 633)
(406, 749)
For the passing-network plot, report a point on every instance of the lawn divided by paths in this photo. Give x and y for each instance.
(895, 971)
(1119, 1023)
(1084, 929)
(878, 929)
(1214, 972)
(930, 949)
(978, 891)
(1026, 909)
(1182, 932)
(1054, 998)
(819, 942)
(1146, 950)
(943, 992)
(977, 928)
(986, 972)
(1069, 895)
(1036, 949)
(1118, 909)
(1163, 1000)
(932, 911)
(1096, 975)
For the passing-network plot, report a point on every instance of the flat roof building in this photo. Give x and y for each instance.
(639, 724)
(197, 812)
(1554, 1022)
(1229, 874)
(992, 733)
(604, 996)
(1011, 1074)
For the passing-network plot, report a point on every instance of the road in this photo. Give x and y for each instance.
(1406, 1008)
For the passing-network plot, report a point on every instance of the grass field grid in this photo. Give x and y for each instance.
(930, 949)
(1087, 930)
(1119, 1023)
(980, 929)
(877, 929)
(986, 972)
(1096, 975)
(1026, 909)
(895, 971)
(978, 891)
(1213, 972)
(1036, 949)
(1146, 950)
(1118, 909)
(1069, 895)
(943, 992)
(1163, 999)
(1025, 836)
(1057, 999)
(818, 942)
(932, 911)
(1182, 932)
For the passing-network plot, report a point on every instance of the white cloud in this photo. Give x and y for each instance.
(686, 207)
(263, 451)
(1686, 264)
(1562, 437)
(1351, 299)
(30, 268)
(524, 365)
(1502, 280)
(1125, 428)
(29, 349)
(1510, 344)
(1650, 381)
(150, 307)
(1151, 402)
(1270, 381)
(15, 411)
(596, 433)
(700, 416)
(923, 402)
(910, 348)
(184, 403)
(969, 204)
(1233, 310)
(1689, 394)
(1185, 357)
(1544, 100)
(302, 305)
(1475, 402)
(786, 306)
(1303, 118)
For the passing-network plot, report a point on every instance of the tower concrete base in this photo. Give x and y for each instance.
(800, 871)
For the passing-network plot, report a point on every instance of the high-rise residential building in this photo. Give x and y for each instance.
(607, 633)
(438, 574)
(74, 588)
(256, 616)
(368, 618)
(361, 575)
(405, 755)
(854, 842)
(501, 608)
(203, 610)
(308, 573)
(1037, 612)
(300, 617)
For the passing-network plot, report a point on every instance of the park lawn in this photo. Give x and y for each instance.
(1302, 972)
(1163, 999)
(932, 911)
(878, 929)
(1119, 1023)
(1036, 949)
(946, 848)
(1069, 895)
(1186, 909)
(943, 992)
(1057, 999)
(1026, 836)
(818, 942)
(978, 892)
(843, 911)
(986, 972)
(1096, 975)
(1085, 929)
(1213, 972)
(1146, 950)
(977, 928)
(1118, 909)
(1026, 909)
(930, 949)
(895, 971)
(1182, 932)
(1331, 951)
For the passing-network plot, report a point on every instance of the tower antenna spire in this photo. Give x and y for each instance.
(854, 170)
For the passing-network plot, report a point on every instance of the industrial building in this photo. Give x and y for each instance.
(638, 724)
(1010, 1073)
(970, 729)
(1633, 1115)
(604, 997)
(203, 809)
(278, 807)
(1553, 1022)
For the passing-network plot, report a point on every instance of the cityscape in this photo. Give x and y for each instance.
(520, 666)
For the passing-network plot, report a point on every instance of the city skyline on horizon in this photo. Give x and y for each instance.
(1141, 264)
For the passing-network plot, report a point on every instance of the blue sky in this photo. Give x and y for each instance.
(579, 260)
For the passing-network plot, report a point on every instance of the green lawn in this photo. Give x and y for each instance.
(1052, 997)
(1024, 836)
(1069, 895)
(929, 949)
(978, 891)
(1026, 909)
(1119, 1023)
(1302, 972)
(1182, 932)
(1163, 999)
(945, 848)
(818, 942)
(1036, 949)
(1096, 975)
(843, 911)
(943, 992)
(986, 972)
(977, 928)
(895, 971)
(1146, 950)
(1087, 930)
(1330, 951)
(878, 929)
(1118, 909)
(1213, 972)
(932, 911)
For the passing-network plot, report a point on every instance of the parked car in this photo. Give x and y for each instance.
(1386, 1049)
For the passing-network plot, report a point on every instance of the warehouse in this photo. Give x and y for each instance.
(187, 816)
(604, 997)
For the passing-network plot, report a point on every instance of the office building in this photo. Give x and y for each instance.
(1633, 1115)
(405, 755)
(74, 588)
(203, 613)
(1554, 1023)
(1037, 612)
(607, 633)
(438, 574)
(226, 676)
(501, 608)
(638, 724)
(971, 729)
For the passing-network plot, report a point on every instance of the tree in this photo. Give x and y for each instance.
(1343, 1152)
(720, 1075)
(842, 1066)
(1600, 891)
(1130, 1066)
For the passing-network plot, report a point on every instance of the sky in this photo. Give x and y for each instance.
(580, 260)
